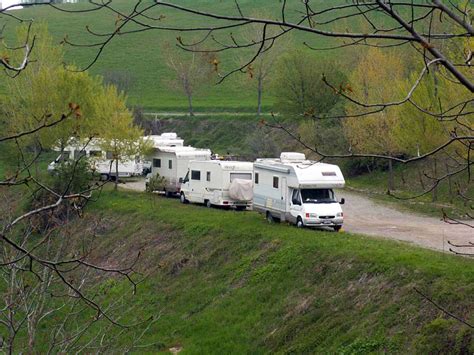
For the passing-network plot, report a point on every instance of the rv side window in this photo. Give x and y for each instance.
(157, 163)
(109, 155)
(275, 182)
(195, 175)
(170, 164)
(79, 153)
(242, 176)
(208, 176)
(95, 153)
(295, 198)
(256, 178)
(186, 178)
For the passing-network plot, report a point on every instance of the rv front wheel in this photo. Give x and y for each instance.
(182, 198)
(208, 204)
(337, 228)
(299, 223)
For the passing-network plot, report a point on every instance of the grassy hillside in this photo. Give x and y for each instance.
(225, 282)
(141, 56)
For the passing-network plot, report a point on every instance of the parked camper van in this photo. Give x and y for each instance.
(218, 183)
(298, 190)
(101, 162)
(172, 164)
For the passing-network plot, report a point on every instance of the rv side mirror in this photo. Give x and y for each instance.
(343, 201)
(180, 180)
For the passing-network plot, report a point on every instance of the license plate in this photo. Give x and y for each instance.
(326, 222)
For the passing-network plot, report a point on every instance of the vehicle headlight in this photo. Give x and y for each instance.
(311, 215)
(340, 214)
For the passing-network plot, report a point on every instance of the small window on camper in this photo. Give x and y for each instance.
(157, 163)
(195, 175)
(208, 176)
(64, 156)
(79, 153)
(275, 182)
(170, 164)
(242, 176)
(95, 153)
(256, 178)
(109, 155)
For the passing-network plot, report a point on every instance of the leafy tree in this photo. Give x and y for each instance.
(119, 136)
(299, 87)
(371, 82)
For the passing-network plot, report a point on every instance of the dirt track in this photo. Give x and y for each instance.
(364, 216)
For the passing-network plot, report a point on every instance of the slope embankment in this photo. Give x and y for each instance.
(227, 282)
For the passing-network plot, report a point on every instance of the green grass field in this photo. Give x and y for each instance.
(141, 55)
(227, 282)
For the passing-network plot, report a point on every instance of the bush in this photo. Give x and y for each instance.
(156, 183)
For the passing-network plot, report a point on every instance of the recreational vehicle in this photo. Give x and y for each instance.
(298, 190)
(101, 162)
(171, 163)
(218, 183)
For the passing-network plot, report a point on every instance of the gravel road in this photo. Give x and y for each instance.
(364, 216)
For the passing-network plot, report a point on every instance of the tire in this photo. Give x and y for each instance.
(168, 194)
(270, 218)
(299, 223)
(208, 204)
(182, 198)
(337, 228)
(104, 177)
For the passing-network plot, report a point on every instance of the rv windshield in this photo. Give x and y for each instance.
(317, 196)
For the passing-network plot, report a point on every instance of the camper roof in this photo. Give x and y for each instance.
(309, 174)
(167, 139)
(228, 164)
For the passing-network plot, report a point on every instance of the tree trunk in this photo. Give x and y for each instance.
(190, 105)
(390, 175)
(435, 174)
(259, 96)
(450, 185)
(116, 174)
(420, 176)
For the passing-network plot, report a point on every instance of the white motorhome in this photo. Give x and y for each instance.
(101, 162)
(171, 163)
(298, 190)
(218, 183)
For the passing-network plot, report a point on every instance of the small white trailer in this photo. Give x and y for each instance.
(218, 183)
(100, 161)
(298, 190)
(171, 163)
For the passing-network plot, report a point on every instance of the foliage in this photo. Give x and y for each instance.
(156, 183)
(299, 87)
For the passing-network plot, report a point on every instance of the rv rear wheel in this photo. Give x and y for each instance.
(299, 223)
(208, 204)
(104, 177)
(182, 198)
(270, 218)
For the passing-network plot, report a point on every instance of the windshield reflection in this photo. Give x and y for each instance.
(318, 196)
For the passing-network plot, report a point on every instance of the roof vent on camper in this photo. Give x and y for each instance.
(292, 156)
(169, 135)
